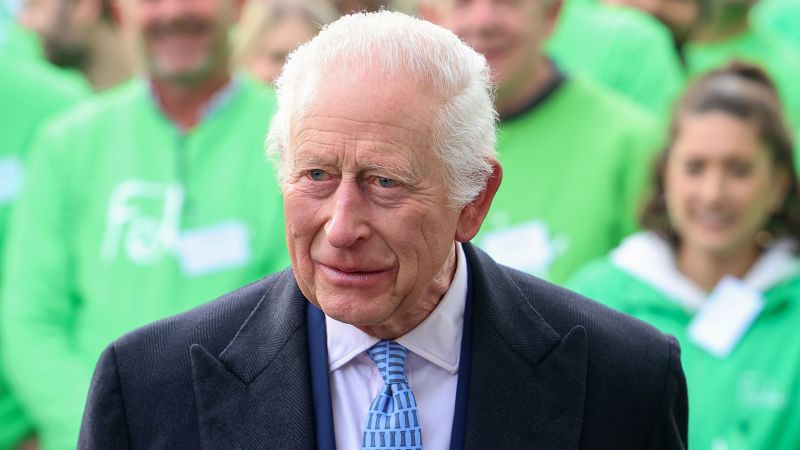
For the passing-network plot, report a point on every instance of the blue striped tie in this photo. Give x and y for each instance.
(392, 423)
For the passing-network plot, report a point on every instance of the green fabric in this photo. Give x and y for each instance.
(749, 400)
(115, 194)
(23, 46)
(780, 18)
(19, 41)
(574, 169)
(780, 60)
(623, 49)
(29, 96)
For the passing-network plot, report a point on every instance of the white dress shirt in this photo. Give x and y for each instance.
(434, 348)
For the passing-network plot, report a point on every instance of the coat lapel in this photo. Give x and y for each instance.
(527, 383)
(526, 389)
(256, 393)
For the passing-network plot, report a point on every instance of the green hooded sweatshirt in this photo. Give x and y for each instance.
(29, 95)
(746, 400)
(123, 220)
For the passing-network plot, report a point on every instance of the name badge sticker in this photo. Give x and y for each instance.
(725, 316)
(529, 247)
(10, 178)
(210, 249)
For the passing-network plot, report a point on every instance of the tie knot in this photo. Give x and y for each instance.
(390, 357)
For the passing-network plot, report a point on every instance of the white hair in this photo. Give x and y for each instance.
(394, 43)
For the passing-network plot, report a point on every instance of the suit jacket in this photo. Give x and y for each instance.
(550, 370)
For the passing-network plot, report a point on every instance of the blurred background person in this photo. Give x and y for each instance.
(725, 33)
(780, 18)
(20, 45)
(141, 202)
(570, 148)
(679, 16)
(269, 31)
(29, 95)
(30, 91)
(352, 6)
(623, 49)
(13, 37)
(718, 266)
(80, 35)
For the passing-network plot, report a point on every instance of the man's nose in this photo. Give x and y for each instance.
(348, 222)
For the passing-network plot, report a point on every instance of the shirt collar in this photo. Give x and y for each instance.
(220, 98)
(437, 339)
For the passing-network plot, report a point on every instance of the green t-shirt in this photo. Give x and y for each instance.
(15, 39)
(780, 60)
(29, 95)
(780, 18)
(747, 400)
(621, 48)
(574, 168)
(123, 220)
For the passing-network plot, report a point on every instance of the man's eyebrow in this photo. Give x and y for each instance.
(394, 171)
(307, 160)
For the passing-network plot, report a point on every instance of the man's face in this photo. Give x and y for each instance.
(63, 28)
(509, 33)
(368, 223)
(181, 41)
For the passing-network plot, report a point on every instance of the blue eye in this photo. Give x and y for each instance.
(385, 182)
(316, 174)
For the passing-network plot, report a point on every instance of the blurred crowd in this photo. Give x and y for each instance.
(647, 148)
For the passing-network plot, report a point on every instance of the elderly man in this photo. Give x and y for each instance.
(390, 331)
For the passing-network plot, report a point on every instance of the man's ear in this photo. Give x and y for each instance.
(472, 215)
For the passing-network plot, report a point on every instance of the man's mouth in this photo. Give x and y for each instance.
(180, 29)
(360, 275)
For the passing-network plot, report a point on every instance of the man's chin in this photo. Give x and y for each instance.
(359, 312)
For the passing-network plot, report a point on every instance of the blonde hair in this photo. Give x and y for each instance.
(259, 17)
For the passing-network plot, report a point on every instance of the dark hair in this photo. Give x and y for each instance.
(745, 92)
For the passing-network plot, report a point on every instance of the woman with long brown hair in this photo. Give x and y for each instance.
(718, 264)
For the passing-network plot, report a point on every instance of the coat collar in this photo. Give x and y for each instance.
(257, 392)
(539, 403)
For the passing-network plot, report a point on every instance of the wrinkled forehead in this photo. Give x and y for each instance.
(358, 100)
(369, 117)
